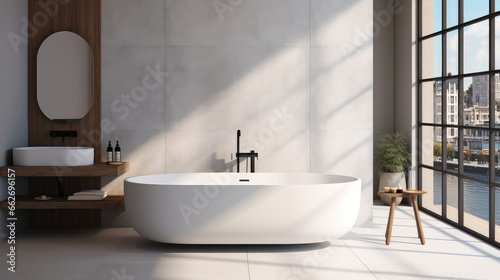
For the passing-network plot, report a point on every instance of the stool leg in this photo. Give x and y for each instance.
(417, 220)
(388, 231)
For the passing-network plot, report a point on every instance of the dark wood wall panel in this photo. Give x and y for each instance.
(84, 18)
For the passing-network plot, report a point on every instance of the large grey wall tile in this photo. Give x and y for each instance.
(132, 97)
(279, 151)
(133, 22)
(144, 150)
(341, 89)
(342, 23)
(229, 88)
(200, 151)
(247, 23)
(215, 151)
(347, 153)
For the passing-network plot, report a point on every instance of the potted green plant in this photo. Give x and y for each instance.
(392, 159)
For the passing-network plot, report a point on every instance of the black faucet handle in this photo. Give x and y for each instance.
(252, 152)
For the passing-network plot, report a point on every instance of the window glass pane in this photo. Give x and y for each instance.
(452, 53)
(497, 157)
(452, 149)
(431, 16)
(431, 64)
(476, 143)
(476, 101)
(431, 102)
(497, 214)
(476, 47)
(497, 42)
(451, 13)
(452, 101)
(432, 150)
(497, 5)
(497, 99)
(452, 197)
(432, 184)
(475, 8)
(476, 206)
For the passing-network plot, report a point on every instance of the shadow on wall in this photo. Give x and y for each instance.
(240, 74)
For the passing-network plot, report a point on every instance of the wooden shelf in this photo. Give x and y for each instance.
(28, 202)
(95, 170)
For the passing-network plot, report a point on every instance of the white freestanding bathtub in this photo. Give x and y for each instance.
(242, 208)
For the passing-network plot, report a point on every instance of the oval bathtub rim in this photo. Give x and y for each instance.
(133, 179)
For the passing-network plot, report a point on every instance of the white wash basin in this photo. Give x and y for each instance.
(53, 156)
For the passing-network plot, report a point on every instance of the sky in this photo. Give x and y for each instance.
(476, 36)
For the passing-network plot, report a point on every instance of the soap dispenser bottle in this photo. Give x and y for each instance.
(109, 153)
(118, 154)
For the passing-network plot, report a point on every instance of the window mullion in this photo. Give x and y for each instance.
(493, 151)
(444, 111)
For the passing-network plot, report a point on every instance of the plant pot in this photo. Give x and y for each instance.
(392, 180)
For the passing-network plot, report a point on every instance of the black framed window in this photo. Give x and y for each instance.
(459, 113)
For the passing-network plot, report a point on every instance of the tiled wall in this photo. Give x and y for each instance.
(295, 76)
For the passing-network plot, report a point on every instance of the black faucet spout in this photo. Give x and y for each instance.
(252, 155)
(238, 135)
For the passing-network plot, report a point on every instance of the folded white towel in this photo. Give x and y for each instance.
(91, 192)
(87, 197)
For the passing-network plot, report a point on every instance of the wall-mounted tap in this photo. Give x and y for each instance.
(252, 155)
(63, 134)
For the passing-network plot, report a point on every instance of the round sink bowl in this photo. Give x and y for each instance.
(53, 156)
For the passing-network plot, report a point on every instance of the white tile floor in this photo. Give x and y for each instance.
(121, 254)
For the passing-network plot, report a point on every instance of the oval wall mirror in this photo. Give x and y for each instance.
(65, 71)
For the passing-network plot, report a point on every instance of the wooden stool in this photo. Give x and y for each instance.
(412, 194)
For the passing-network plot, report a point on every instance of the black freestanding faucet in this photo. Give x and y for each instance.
(238, 134)
(252, 155)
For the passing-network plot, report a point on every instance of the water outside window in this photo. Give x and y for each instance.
(476, 206)
(432, 184)
(452, 198)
